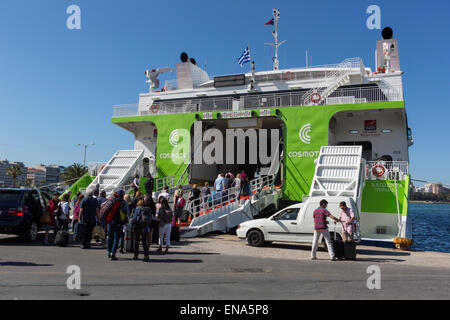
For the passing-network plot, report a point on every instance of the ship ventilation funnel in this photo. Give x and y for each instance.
(184, 57)
(387, 33)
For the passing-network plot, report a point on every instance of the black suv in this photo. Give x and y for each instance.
(21, 210)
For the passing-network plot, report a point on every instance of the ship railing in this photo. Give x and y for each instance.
(231, 196)
(387, 170)
(94, 168)
(171, 182)
(258, 101)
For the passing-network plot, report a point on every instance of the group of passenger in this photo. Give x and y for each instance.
(227, 186)
(114, 216)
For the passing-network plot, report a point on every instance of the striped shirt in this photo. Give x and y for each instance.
(320, 218)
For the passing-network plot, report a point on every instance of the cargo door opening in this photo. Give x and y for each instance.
(250, 151)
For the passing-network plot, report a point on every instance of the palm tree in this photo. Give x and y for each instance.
(14, 171)
(74, 172)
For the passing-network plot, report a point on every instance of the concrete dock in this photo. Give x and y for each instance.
(219, 266)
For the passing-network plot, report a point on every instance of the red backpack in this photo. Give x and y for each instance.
(109, 208)
(181, 202)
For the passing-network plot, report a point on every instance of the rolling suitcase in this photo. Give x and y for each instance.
(350, 250)
(338, 247)
(129, 238)
(175, 234)
(62, 238)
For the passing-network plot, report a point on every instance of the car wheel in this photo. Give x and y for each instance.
(255, 238)
(32, 233)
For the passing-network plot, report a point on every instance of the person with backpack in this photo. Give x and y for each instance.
(124, 210)
(141, 223)
(62, 213)
(110, 214)
(178, 203)
(89, 214)
(165, 216)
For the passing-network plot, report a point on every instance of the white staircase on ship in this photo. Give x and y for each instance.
(118, 172)
(339, 172)
(337, 77)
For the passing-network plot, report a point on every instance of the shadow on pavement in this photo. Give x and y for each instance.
(292, 246)
(370, 252)
(23, 264)
(177, 260)
(378, 260)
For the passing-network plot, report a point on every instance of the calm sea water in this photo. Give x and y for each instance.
(430, 226)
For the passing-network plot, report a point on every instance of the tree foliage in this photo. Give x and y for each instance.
(73, 173)
(419, 196)
(14, 171)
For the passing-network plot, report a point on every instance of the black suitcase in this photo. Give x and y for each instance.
(338, 248)
(350, 250)
(62, 238)
(129, 238)
(175, 234)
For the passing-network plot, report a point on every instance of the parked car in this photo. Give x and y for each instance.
(295, 223)
(21, 210)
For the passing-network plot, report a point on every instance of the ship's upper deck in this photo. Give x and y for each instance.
(344, 83)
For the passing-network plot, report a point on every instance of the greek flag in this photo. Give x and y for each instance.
(245, 57)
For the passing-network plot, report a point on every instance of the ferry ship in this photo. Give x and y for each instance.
(335, 105)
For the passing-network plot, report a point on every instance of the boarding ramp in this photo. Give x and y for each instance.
(118, 172)
(340, 171)
(228, 211)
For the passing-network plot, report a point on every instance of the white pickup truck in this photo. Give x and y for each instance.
(295, 223)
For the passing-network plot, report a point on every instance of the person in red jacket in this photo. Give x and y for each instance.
(50, 210)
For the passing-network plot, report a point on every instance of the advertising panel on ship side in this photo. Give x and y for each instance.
(370, 125)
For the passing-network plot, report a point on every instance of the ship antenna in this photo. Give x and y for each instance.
(276, 44)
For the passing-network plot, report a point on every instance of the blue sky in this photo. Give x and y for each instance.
(58, 86)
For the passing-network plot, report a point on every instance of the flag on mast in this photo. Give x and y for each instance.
(270, 23)
(245, 57)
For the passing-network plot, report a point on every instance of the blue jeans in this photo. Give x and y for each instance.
(114, 232)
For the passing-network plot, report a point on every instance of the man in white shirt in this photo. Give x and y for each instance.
(136, 183)
(63, 219)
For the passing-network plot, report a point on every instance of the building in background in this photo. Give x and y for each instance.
(37, 176)
(6, 179)
(52, 174)
(43, 175)
(434, 188)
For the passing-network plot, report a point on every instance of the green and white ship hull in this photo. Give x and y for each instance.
(333, 105)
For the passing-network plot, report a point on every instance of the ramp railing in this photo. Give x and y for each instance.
(229, 198)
